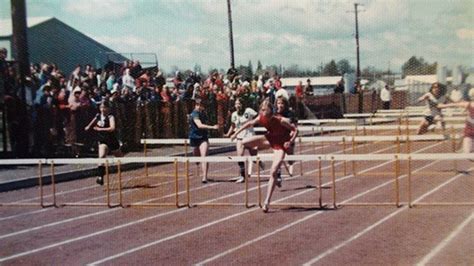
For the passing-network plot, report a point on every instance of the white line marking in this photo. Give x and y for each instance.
(366, 230)
(143, 220)
(97, 213)
(250, 242)
(87, 200)
(445, 241)
(235, 215)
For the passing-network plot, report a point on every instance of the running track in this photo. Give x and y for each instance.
(223, 235)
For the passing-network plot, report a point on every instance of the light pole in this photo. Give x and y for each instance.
(231, 38)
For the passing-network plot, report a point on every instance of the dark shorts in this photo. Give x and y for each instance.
(429, 119)
(196, 142)
(112, 144)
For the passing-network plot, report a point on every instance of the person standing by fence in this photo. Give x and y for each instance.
(385, 97)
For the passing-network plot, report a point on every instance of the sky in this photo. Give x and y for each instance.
(184, 33)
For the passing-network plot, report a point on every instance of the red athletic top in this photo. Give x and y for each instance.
(277, 134)
(469, 126)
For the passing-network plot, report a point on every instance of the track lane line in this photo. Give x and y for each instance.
(381, 221)
(143, 220)
(250, 242)
(238, 214)
(435, 251)
(108, 210)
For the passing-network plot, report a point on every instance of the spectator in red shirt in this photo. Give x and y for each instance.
(299, 90)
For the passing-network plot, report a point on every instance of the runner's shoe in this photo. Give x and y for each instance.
(279, 180)
(290, 169)
(240, 180)
(235, 178)
(100, 180)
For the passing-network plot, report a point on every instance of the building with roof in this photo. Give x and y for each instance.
(321, 85)
(52, 41)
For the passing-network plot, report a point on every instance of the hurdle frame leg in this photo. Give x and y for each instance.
(53, 184)
(397, 184)
(40, 180)
(176, 184)
(354, 151)
(453, 143)
(409, 183)
(246, 177)
(259, 185)
(333, 175)
(319, 183)
(344, 152)
(188, 193)
(107, 188)
(301, 152)
(119, 170)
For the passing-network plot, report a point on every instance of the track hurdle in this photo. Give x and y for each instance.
(368, 157)
(174, 177)
(41, 202)
(318, 203)
(106, 189)
(428, 157)
(219, 159)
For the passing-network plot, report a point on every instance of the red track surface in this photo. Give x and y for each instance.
(222, 235)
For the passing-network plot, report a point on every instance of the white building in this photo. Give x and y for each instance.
(321, 85)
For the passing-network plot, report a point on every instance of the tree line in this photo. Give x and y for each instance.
(413, 66)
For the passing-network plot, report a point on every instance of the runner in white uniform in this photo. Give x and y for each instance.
(432, 113)
(239, 118)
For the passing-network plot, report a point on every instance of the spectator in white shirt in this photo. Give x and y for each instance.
(386, 97)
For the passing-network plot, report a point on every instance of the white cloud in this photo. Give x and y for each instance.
(465, 34)
(306, 32)
(176, 53)
(103, 9)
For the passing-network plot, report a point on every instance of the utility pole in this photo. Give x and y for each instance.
(20, 44)
(357, 42)
(361, 96)
(231, 38)
(20, 53)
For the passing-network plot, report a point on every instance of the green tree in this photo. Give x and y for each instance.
(330, 69)
(418, 66)
(197, 68)
(292, 71)
(343, 66)
(250, 68)
(245, 71)
(259, 70)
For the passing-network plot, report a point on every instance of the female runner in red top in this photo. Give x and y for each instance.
(469, 124)
(280, 134)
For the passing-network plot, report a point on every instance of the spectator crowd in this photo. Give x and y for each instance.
(145, 102)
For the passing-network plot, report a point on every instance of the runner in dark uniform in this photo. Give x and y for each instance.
(104, 124)
(198, 136)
